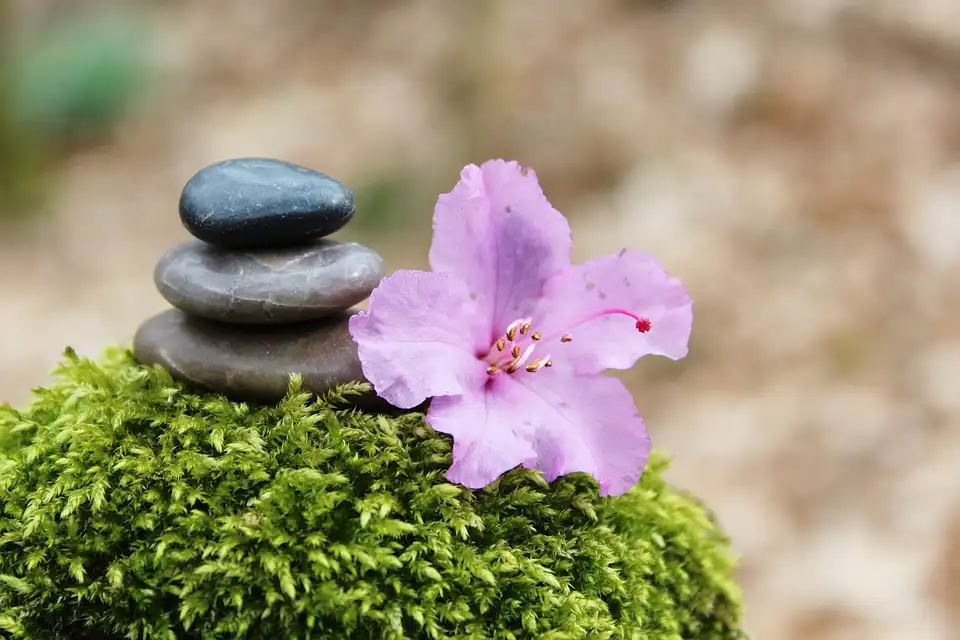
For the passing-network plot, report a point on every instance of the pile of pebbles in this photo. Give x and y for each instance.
(261, 293)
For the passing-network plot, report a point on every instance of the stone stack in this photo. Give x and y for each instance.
(261, 293)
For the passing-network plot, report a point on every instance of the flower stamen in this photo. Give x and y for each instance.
(521, 360)
(516, 325)
(538, 364)
(520, 355)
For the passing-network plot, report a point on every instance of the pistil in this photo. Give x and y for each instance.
(519, 355)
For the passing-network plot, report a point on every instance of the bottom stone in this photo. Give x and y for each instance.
(250, 362)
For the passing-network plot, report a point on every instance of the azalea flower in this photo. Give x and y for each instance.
(510, 340)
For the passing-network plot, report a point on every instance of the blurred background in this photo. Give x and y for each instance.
(795, 162)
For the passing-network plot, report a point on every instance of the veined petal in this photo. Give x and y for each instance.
(498, 233)
(554, 421)
(628, 280)
(489, 437)
(420, 338)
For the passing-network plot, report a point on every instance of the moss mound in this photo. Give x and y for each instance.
(133, 508)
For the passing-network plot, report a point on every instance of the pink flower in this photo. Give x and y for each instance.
(510, 340)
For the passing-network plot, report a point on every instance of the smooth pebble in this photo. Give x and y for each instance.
(267, 286)
(259, 202)
(249, 363)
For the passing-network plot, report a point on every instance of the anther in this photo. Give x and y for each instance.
(536, 365)
(491, 370)
(501, 344)
(515, 352)
(521, 324)
(565, 338)
(521, 360)
(536, 336)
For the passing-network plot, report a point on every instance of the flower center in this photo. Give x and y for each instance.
(514, 350)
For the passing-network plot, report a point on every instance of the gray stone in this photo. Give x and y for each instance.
(267, 286)
(260, 202)
(249, 363)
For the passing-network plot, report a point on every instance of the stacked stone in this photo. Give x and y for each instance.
(262, 293)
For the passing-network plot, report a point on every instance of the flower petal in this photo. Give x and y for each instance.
(489, 437)
(551, 420)
(628, 280)
(420, 338)
(498, 233)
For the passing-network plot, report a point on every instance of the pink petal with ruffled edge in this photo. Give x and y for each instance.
(628, 280)
(498, 233)
(420, 338)
(489, 436)
(551, 420)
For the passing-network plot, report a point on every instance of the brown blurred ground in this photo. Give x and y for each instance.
(796, 163)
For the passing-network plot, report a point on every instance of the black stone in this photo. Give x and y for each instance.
(250, 363)
(258, 202)
(267, 286)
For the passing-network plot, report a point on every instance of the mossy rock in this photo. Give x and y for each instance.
(135, 508)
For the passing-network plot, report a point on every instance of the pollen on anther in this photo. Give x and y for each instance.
(538, 364)
(536, 336)
(501, 344)
(515, 352)
(525, 328)
(491, 370)
(644, 325)
(521, 360)
(511, 333)
(565, 338)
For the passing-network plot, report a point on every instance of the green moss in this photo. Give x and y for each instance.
(134, 508)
